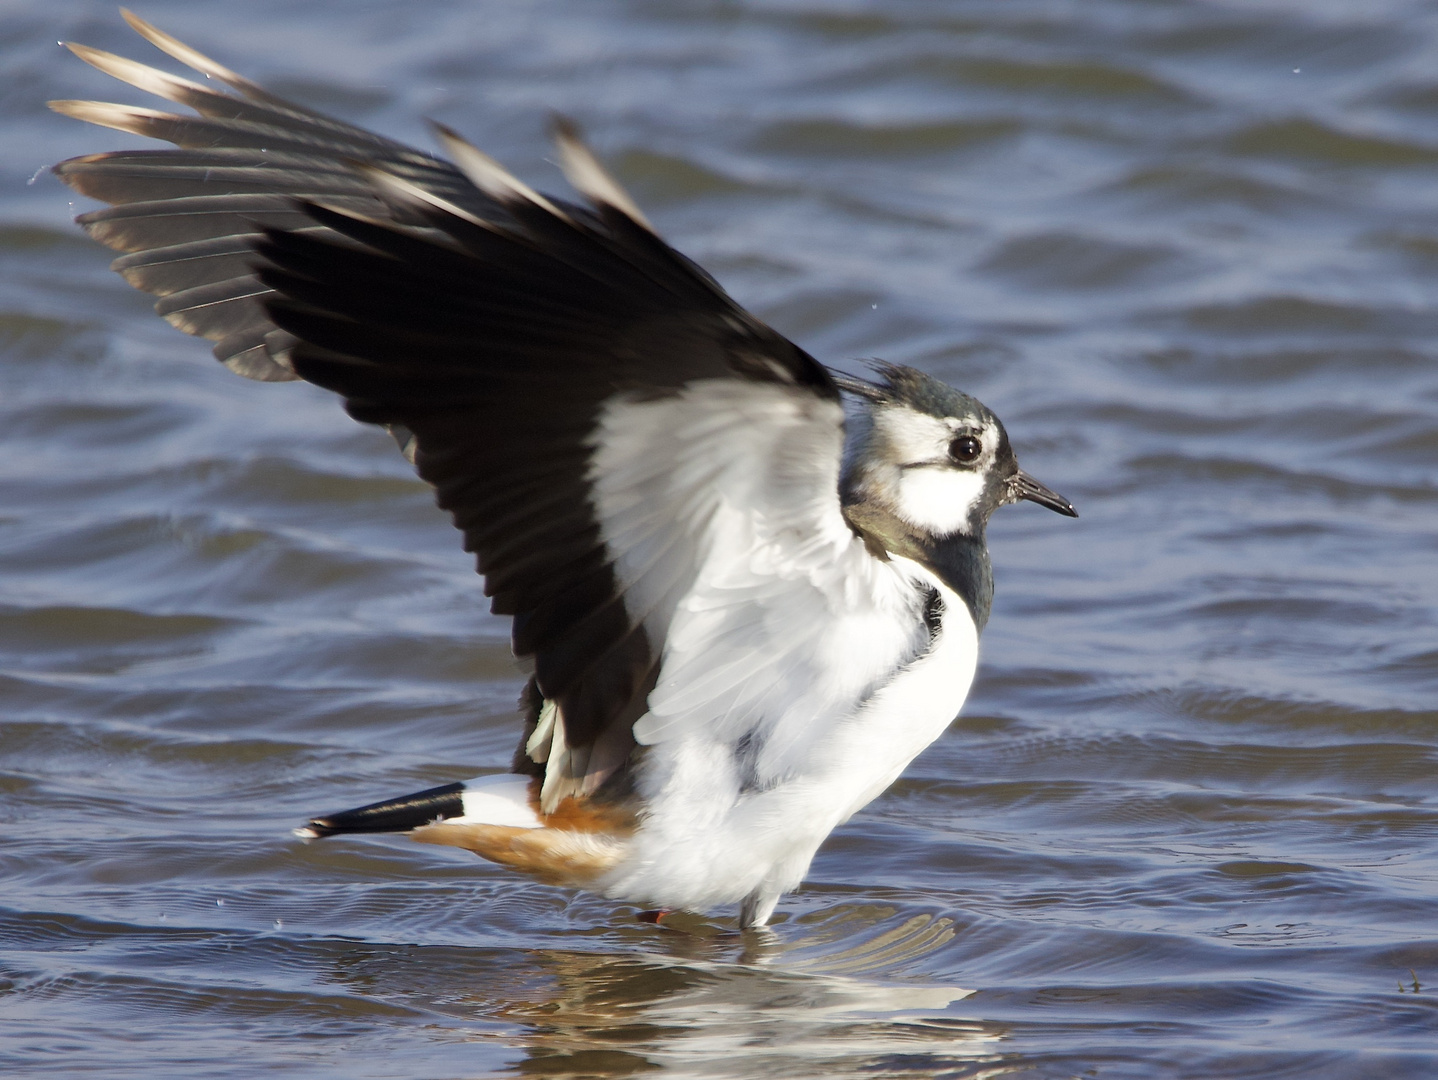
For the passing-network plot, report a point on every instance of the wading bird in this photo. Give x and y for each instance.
(741, 625)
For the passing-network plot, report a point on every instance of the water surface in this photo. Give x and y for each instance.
(1188, 823)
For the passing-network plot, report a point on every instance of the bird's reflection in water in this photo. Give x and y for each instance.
(704, 999)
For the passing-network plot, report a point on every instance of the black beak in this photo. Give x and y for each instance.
(1024, 486)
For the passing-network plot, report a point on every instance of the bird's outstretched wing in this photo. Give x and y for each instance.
(187, 220)
(647, 474)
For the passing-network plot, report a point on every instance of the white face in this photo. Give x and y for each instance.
(928, 488)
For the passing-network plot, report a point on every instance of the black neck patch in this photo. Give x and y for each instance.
(960, 561)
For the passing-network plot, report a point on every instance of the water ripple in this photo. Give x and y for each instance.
(1187, 825)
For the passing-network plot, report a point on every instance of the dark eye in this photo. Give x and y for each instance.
(966, 449)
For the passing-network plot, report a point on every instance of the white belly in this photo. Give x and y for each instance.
(746, 842)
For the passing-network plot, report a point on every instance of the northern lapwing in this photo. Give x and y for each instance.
(743, 616)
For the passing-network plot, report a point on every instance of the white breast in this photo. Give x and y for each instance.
(894, 726)
(708, 841)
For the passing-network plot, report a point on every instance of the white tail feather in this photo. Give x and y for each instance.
(502, 799)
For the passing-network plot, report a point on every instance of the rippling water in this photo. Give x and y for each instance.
(1187, 825)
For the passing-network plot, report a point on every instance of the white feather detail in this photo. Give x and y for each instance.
(582, 169)
(721, 506)
(141, 76)
(502, 799)
(403, 191)
(915, 475)
(564, 769)
(538, 745)
(490, 176)
(195, 59)
(127, 118)
(939, 500)
(707, 839)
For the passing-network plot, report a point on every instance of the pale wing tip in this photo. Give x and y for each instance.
(104, 113)
(99, 58)
(149, 31)
(446, 133)
(388, 184)
(582, 168)
(133, 72)
(153, 34)
(135, 119)
(305, 833)
(173, 46)
(82, 109)
(488, 175)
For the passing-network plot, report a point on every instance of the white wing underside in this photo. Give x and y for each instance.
(720, 507)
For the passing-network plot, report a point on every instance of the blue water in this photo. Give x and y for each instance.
(1188, 823)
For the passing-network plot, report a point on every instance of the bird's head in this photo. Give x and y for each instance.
(930, 462)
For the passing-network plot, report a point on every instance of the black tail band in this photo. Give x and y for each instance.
(394, 815)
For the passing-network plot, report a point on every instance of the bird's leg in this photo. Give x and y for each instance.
(656, 916)
(754, 912)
